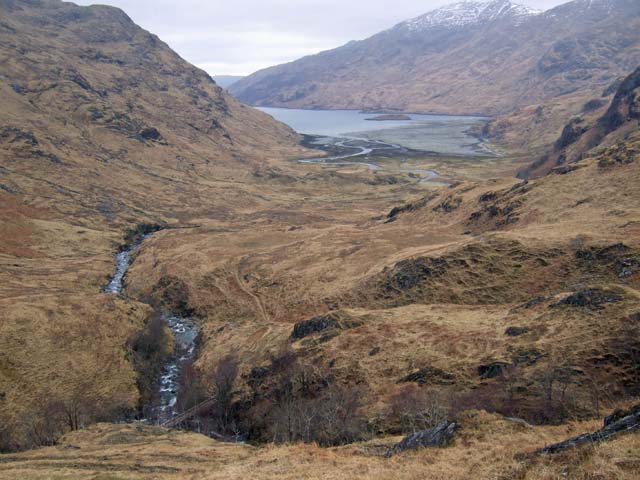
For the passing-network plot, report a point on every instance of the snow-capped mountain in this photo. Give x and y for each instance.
(471, 13)
(468, 57)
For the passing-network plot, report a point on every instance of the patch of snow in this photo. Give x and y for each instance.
(471, 12)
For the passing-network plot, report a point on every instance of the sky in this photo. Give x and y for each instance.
(239, 37)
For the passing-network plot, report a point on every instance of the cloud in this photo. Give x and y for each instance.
(241, 36)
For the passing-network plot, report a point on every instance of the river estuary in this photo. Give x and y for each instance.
(351, 138)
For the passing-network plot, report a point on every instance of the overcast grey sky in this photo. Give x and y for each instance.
(238, 37)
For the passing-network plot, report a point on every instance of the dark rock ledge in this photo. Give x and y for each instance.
(615, 424)
(439, 436)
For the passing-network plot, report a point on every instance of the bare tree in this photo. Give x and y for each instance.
(223, 381)
(414, 408)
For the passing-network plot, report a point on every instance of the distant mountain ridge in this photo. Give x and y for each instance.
(469, 13)
(225, 81)
(469, 57)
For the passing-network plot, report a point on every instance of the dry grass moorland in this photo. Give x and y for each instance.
(366, 299)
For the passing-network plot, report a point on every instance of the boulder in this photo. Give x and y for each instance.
(439, 436)
(516, 331)
(150, 133)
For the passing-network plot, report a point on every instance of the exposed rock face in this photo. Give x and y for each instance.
(438, 436)
(618, 415)
(625, 105)
(620, 258)
(571, 133)
(590, 298)
(617, 423)
(493, 369)
(150, 133)
(409, 207)
(620, 154)
(499, 209)
(579, 137)
(324, 323)
(516, 331)
(519, 57)
(430, 375)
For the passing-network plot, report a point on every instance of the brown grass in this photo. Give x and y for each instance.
(487, 447)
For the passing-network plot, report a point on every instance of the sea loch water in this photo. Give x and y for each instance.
(441, 134)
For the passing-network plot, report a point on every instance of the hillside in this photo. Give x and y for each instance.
(470, 57)
(339, 307)
(619, 122)
(103, 127)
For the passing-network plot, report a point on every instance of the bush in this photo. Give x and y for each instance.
(149, 350)
(413, 409)
(295, 401)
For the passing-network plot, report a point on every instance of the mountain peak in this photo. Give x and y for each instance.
(470, 12)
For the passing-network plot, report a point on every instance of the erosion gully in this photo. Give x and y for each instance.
(185, 332)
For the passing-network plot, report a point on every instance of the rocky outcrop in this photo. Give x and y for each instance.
(499, 209)
(492, 369)
(618, 258)
(324, 323)
(439, 436)
(617, 423)
(621, 154)
(516, 331)
(625, 105)
(150, 133)
(448, 205)
(12, 134)
(429, 375)
(580, 136)
(571, 133)
(590, 298)
(410, 207)
(619, 414)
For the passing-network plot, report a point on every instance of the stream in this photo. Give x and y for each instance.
(185, 332)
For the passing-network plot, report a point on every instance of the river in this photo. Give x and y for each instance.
(185, 332)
